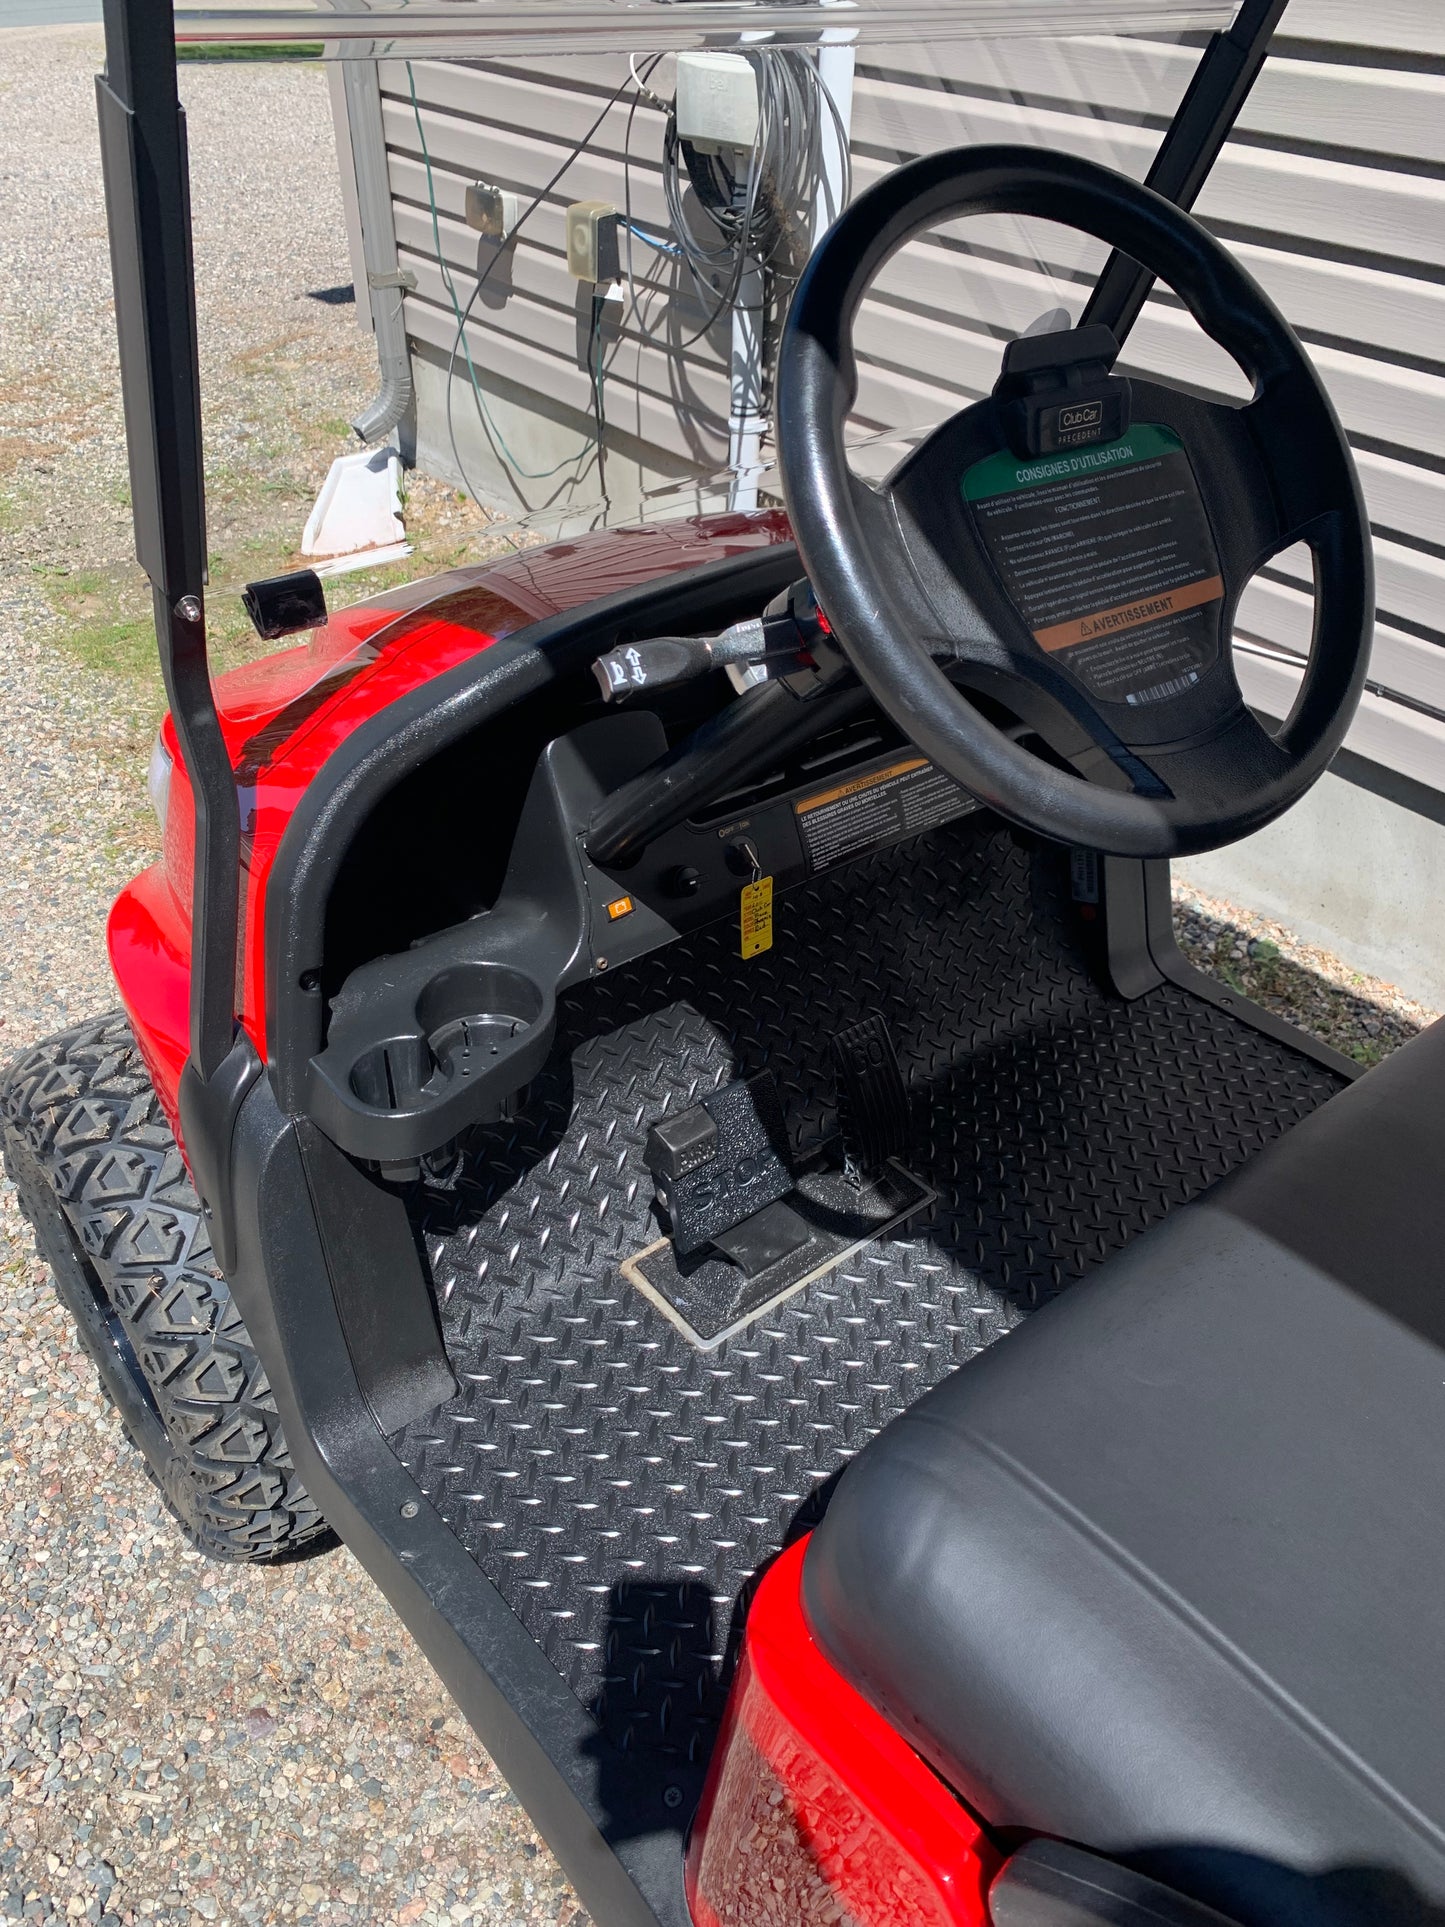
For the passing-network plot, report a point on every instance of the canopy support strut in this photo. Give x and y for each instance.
(1202, 123)
(143, 151)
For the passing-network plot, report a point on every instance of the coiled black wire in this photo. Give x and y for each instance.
(759, 203)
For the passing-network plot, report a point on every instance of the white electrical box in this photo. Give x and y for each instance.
(592, 248)
(492, 211)
(717, 101)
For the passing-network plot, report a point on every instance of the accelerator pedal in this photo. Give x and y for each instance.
(874, 1114)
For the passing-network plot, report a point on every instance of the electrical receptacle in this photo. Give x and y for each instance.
(492, 211)
(592, 248)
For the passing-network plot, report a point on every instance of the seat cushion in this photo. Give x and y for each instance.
(1163, 1572)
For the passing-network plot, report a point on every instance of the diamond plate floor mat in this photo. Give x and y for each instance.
(620, 1487)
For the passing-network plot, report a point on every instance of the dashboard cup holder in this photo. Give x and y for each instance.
(471, 1014)
(393, 1075)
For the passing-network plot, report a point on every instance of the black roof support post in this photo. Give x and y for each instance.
(1218, 88)
(147, 191)
(148, 206)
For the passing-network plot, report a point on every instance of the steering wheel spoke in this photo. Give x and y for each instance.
(1241, 757)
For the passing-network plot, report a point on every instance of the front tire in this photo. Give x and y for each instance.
(119, 1223)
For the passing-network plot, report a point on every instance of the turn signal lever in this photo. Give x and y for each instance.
(806, 690)
(786, 637)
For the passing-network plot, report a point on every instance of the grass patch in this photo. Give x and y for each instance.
(209, 50)
(257, 500)
(106, 620)
(108, 625)
(124, 646)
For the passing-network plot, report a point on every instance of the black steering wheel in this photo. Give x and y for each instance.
(1091, 590)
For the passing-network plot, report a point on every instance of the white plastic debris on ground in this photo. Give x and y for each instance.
(356, 523)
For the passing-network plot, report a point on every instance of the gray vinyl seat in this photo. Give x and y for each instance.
(1163, 1572)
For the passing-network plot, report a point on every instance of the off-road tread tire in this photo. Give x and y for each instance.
(106, 1190)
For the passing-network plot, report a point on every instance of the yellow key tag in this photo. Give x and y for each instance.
(755, 916)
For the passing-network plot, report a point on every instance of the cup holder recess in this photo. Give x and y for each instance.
(472, 1016)
(471, 1011)
(393, 1076)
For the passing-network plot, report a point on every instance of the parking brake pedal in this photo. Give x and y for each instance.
(874, 1111)
(743, 1228)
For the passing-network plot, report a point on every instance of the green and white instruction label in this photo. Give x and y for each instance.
(1108, 556)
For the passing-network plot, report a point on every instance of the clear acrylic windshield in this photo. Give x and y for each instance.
(573, 233)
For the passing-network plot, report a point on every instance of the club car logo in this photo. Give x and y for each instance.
(715, 1185)
(1085, 414)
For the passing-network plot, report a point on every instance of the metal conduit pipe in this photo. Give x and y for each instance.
(385, 277)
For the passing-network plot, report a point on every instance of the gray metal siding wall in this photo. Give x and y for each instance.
(514, 126)
(1332, 192)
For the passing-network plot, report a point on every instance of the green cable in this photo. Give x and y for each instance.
(527, 474)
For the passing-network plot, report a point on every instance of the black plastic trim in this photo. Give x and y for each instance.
(405, 734)
(1142, 951)
(622, 1853)
(208, 1109)
(1049, 1883)
(379, 1285)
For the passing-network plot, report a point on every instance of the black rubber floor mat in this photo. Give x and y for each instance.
(620, 1487)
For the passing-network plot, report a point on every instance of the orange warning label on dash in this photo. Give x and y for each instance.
(1129, 615)
(868, 782)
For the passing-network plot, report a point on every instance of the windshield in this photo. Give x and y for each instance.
(573, 234)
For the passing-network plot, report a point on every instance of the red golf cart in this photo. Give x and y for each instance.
(656, 1098)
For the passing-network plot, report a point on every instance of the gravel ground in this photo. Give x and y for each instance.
(1359, 1015)
(182, 1742)
(179, 1742)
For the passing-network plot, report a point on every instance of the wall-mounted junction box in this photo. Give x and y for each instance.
(492, 211)
(717, 101)
(592, 251)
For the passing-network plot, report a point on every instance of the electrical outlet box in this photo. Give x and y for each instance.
(592, 250)
(716, 104)
(492, 211)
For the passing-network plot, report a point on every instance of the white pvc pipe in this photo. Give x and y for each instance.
(836, 61)
(747, 423)
(746, 420)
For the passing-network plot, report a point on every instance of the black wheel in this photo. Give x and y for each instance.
(120, 1226)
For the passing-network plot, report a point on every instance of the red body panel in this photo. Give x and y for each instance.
(849, 1813)
(150, 955)
(816, 1810)
(284, 716)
